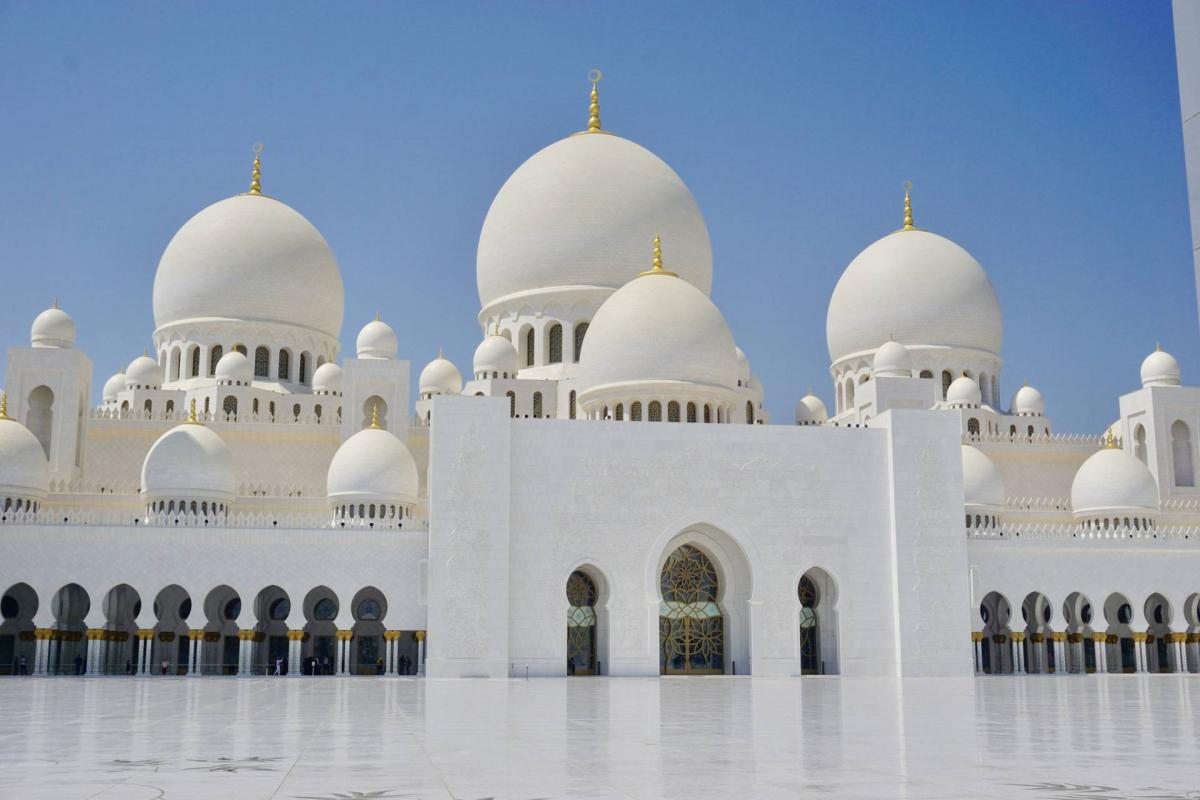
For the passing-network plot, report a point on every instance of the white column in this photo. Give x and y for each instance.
(295, 667)
(195, 651)
(1020, 648)
(1180, 654)
(387, 655)
(41, 654)
(421, 654)
(93, 655)
(975, 643)
(1139, 653)
(1060, 655)
(1101, 654)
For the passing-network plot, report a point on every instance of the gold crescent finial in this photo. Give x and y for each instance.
(594, 106)
(656, 263)
(256, 171)
(191, 417)
(374, 415)
(908, 217)
(3, 405)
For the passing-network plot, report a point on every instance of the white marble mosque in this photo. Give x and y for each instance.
(603, 493)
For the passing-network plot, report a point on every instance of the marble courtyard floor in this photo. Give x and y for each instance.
(1035, 737)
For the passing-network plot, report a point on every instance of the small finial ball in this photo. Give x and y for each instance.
(908, 186)
(595, 75)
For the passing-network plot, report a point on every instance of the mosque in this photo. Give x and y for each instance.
(604, 493)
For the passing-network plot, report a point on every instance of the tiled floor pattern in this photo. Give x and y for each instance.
(1038, 737)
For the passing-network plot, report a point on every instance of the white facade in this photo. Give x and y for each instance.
(604, 494)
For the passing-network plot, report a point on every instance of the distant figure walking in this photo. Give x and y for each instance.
(22, 666)
(78, 665)
(165, 666)
(278, 667)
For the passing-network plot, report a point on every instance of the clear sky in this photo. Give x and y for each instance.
(1043, 137)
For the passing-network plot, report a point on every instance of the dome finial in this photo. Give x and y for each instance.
(1157, 345)
(3, 405)
(374, 415)
(256, 171)
(441, 354)
(1110, 441)
(908, 217)
(56, 302)
(377, 318)
(656, 263)
(594, 107)
(191, 417)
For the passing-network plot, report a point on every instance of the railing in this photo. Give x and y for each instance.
(105, 413)
(1059, 439)
(1176, 534)
(236, 520)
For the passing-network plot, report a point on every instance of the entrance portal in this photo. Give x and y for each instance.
(691, 626)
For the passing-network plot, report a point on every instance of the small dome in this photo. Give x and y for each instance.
(496, 354)
(440, 377)
(892, 360)
(1160, 369)
(743, 367)
(964, 392)
(920, 287)
(24, 472)
(811, 410)
(53, 328)
(113, 386)
(188, 462)
(1028, 402)
(658, 328)
(377, 340)
(372, 466)
(982, 484)
(327, 379)
(143, 373)
(1113, 480)
(234, 368)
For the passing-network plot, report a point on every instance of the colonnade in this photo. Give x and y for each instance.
(1008, 653)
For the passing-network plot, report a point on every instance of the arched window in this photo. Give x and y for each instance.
(691, 626)
(985, 389)
(206, 406)
(240, 348)
(271, 409)
(673, 411)
(691, 412)
(1029, 431)
(537, 405)
(655, 411)
(296, 411)
(555, 344)
(254, 406)
(926, 373)
(175, 364)
(749, 413)
(1012, 430)
(1181, 454)
(619, 412)
(214, 355)
(580, 331)
(148, 407)
(849, 393)
(707, 413)
(635, 411)
(1139, 443)
(317, 411)
(170, 407)
(512, 404)
(230, 405)
(581, 624)
(39, 419)
(529, 341)
(262, 362)
(973, 426)
(947, 379)
(195, 359)
(303, 376)
(285, 365)
(810, 646)
(571, 403)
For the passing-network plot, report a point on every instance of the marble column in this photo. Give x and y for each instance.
(976, 639)
(41, 652)
(1100, 643)
(1180, 652)
(1139, 651)
(1019, 651)
(195, 637)
(295, 664)
(95, 637)
(245, 643)
(389, 648)
(1060, 651)
(420, 653)
(343, 652)
(1193, 649)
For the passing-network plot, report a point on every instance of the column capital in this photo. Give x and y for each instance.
(145, 633)
(296, 635)
(419, 636)
(1038, 638)
(246, 635)
(43, 633)
(1193, 638)
(1058, 636)
(1100, 638)
(1018, 637)
(976, 636)
(95, 633)
(1139, 637)
(345, 635)
(195, 633)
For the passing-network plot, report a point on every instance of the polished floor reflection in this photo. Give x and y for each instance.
(1041, 738)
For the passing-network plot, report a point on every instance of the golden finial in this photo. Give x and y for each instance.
(1158, 347)
(594, 107)
(56, 302)
(374, 415)
(1110, 441)
(256, 172)
(3, 405)
(191, 417)
(908, 218)
(656, 264)
(377, 318)
(440, 353)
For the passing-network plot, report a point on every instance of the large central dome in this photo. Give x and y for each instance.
(579, 213)
(249, 258)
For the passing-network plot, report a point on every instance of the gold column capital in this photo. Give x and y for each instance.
(145, 633)
(296, 635)
(43, 633)
(345, 635)
(976, 636)
(246, 635)
(1018, 637)
(419, 636)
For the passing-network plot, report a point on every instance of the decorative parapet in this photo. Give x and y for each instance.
(1038, 504)
(1180, 534)
(237, 520)
(113, 414)
(1070, 440)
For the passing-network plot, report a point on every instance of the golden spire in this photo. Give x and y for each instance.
(191, 417)
(908, 218)
(256, 171)
(656, 267)
(1110, 441)
(374, 415)
(3, 405)
(377, 318)
(594, 107)
(440, 353)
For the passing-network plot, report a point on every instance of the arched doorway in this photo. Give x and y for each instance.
(18, 605)
(996, 655)
(320, 632)
(817, 595)
(1122, 650)
(1038, 647)
(1160, 649)
(369, 608)
(172, 607)
(70, 607)
(271, 609)
(582, 639)
(121, 607)
(1081, 652)
(691, 625)
(221, 653)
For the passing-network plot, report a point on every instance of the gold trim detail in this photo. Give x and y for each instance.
(656, 263)
(256, 171)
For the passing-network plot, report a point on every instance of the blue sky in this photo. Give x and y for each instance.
(1043, 137)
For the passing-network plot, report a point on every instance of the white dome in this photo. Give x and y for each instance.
(1028, 402)
(252, 258)
(658, 328)
(920, 287)
(440, 377)
(743, 367)
(811, 410)
(982, 484)
(52, 328)
(24, 472)
(964, 391)
(113, 386)
(1113, 480)
(496, 354)
(188, 462)
(1161, 369)
(234, 368)
(372, 466)
(327, 379)
(579, 213)
(892, 359)
(143, 373)
(377, 340)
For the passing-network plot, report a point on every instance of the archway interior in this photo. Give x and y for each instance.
(691, 625)
(581, 624)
